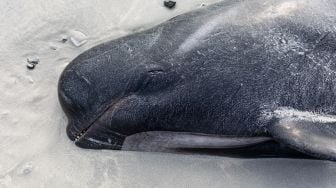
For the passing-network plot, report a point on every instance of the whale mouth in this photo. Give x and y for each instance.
(77, 136)
(82, 132)
(98, 135)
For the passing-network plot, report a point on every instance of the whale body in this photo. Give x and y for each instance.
(229, 75)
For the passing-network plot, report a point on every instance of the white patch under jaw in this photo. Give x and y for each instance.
(288, 112)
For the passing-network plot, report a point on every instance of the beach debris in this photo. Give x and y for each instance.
(203, 4)
(30, 66)
(169, 4)
(77, 38)
(64, 39)
(32, 62)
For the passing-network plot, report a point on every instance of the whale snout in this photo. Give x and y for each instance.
(88, 87)
(74, 97)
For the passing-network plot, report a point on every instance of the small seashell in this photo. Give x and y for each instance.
(78, 38)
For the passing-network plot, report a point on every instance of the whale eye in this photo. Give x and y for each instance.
(153, 80)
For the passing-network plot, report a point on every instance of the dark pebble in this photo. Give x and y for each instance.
(30, 66)
(169, 4)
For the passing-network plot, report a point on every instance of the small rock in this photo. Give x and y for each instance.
(30, 66)
(203, 4)
(64, 39)
(77, 38)
(33, 60)
(169, 4)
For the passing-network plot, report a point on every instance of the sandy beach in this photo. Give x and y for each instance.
(34, 149)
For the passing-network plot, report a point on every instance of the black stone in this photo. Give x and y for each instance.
(169, 4)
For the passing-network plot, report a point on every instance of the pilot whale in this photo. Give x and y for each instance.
(229, 75)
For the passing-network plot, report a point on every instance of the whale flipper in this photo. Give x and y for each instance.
(169, 141)
(314, 137)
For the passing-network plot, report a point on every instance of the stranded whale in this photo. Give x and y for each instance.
(233, 74)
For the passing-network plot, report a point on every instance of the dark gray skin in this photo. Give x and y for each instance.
(247, 69)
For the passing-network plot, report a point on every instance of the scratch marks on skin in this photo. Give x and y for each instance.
(100, 142)
(322, 59)
(194, 39)
(281, 9)
(286, 44)
(283, 43)
(273, 11)
(205, 30)
(109, 142)
(82, 77)
(288, 112)
(155, 37)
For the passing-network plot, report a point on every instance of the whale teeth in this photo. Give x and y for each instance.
(80, 134)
